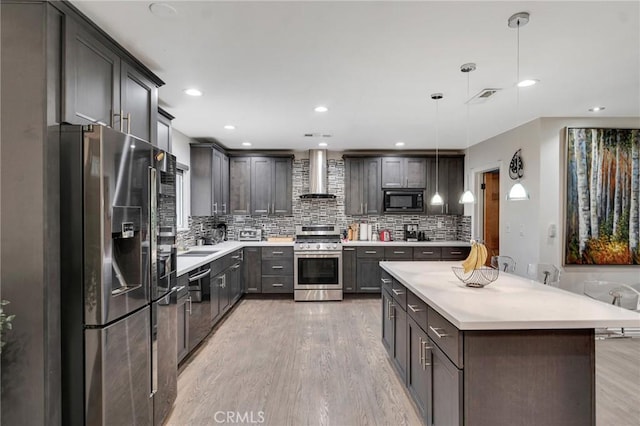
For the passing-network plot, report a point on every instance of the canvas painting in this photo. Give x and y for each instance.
(602, 214)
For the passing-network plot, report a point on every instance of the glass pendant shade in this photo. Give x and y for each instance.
(517, 193)
(467, 197)
(436, 200)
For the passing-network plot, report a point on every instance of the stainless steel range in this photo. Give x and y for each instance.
(317, 267)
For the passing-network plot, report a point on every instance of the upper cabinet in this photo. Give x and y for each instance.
(450, 184)
(261, 185)
(404, 172)
(362, 186)
(209, 181)
(164, 130)
(102, 86)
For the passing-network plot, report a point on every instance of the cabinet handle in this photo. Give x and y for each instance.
(425, 345)
(427, 252)
(361, 209)
(277, 267)
(447, 208)
(385, 280)
(277, 285)
(277, 252)
(121, 115)
(224, 208)
(421, 349)
(349, 249)
(236, 266)
(223, 281)
(397, 292)
(435, 330)
(391, 307)
(215, 208)
(398, 252)
(129, 123)
(414, 308)
(190, 310)
(456, 252)
(371, 252)
(197, 277)
(366, 208)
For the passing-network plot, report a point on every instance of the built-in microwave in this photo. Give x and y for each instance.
(409, 201)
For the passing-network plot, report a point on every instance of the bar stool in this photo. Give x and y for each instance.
(545, 273)
(503, 263)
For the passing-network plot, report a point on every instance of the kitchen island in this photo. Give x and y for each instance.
(514, 352)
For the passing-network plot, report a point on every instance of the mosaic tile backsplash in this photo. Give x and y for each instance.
(325, 212)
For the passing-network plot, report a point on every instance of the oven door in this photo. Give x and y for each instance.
(317, 270)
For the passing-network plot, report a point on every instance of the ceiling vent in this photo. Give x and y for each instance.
(483, 96)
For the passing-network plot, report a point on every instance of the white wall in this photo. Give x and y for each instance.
(180, 148)
(542, 143)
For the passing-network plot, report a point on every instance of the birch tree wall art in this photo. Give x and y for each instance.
(602, 212)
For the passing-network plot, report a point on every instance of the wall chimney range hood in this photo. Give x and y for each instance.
(317, 175)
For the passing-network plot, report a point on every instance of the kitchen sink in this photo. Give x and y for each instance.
(199, 253)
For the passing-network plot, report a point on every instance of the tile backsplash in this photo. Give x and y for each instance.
(326, 212)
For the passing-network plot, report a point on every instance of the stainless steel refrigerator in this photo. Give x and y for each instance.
(117, 276)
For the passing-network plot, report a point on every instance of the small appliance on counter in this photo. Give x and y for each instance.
(250, 234)
(411, 232)
(385, 235)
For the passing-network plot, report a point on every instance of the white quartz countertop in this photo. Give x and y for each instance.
(408, 243)
(188, 263)
(509, 303)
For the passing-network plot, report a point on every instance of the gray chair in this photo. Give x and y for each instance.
(545, 273)
(503, 263)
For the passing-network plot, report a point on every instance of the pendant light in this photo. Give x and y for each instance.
(516, 170)
(467, 196)
(436, 200)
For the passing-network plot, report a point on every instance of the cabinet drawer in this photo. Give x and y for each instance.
(277, 267)
(427, 253)
(385, 280)
(455, 253)
(399, 294)
(277, 252)
(377, 252)
(417, 309)
(275, 284)
(445, 335)
(398, 253)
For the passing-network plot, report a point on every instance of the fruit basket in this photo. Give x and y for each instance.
(476, 277)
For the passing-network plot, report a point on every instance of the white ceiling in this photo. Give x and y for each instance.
(263, 67)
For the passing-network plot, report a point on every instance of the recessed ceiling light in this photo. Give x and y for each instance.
(399, 143)
(596, 108)
(163, 10)
(322, 144)
(193, 92)
(527, 83)
(246, 143)
(230, 127)
(321, 109)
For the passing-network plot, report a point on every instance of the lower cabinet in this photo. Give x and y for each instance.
(349, 270)
(419, 368)
(387, 322)
(183, 308)
(446, 387)
(277, 269)
(252, 270)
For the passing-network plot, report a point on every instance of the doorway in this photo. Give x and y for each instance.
(491, 212)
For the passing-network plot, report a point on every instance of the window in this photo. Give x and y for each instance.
(180, 219)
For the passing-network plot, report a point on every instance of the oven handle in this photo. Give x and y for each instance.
(325, 254)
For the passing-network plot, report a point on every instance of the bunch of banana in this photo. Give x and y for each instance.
(477, 257)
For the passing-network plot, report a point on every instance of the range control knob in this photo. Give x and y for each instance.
(335, 246)
(318, 246)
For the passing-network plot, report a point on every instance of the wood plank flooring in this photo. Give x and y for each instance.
(324, 364)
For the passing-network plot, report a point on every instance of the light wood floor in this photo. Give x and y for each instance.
(324, 364)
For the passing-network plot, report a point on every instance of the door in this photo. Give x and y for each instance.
(240, 185)
(372, 194)
(281, 190)
(139, 97)
(368, 273)
(164, 359)
(400, 340)
(224, 179)
(216, 180)
(387, 322)
(201, 181)
(224, 291)
(416, 172)
(252, 270)
(235, 290)
(419, 368)
(447, 389)
(183, 308)
(317, 270)
(92, 79)
(353, 201)
(455, 185)
(393, 172)
(491, 212)
(217, 284)
(349, 269)
(164, 131)
(118, 372)
(261, 185)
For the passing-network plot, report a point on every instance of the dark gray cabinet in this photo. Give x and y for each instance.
(91, 79)
(349, 270)
(368, 276)
(447, 389)
(252, 270)
(218, 283)
(404, 172)
(235, 282)
(200, 313)
(240, 185)
(387, 322)
(450, 184)
(277, 269)
(183, 309)
(164, 130)
(271, 186)
(209, 181)
(138, 103)
(400, 338)
(363, 193)
(102, 86)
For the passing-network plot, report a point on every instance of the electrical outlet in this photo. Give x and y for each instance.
(507, 228)
(440, 224)
(522, 229)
